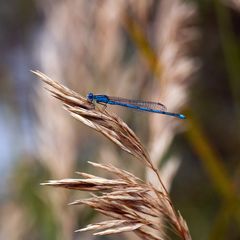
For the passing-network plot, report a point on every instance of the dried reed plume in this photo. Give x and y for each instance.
(175, 40)
(235, 4)
(132, 204)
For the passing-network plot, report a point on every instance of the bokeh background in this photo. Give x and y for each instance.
(185, 54)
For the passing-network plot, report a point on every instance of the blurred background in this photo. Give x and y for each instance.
(185, 54)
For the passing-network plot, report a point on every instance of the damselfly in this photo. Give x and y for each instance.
(148, 106)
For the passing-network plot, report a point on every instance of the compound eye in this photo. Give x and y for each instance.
(90, 97)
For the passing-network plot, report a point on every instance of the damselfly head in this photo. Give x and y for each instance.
(90, 97)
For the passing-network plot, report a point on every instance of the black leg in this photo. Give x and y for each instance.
(104, 106)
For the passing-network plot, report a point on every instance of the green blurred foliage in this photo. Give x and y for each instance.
(25, 189)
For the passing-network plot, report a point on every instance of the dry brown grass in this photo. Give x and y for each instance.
(133, 204)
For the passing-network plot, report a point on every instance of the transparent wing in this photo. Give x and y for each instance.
(140, 103)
